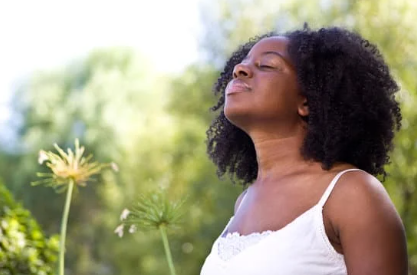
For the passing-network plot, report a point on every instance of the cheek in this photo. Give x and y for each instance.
(281, 96)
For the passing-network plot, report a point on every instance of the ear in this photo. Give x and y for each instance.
(303, 108)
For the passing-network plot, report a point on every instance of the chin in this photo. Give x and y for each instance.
(237, 116)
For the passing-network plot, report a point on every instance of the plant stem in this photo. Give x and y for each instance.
(64, 227)
(163, 231)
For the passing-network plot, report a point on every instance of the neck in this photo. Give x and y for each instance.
(278, 156)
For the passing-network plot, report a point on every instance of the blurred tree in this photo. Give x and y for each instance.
(106, 100)
(23, 247)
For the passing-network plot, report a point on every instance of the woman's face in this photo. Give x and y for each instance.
(264, 89)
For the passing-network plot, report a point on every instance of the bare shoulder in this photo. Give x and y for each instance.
(368, 226)
(358, 189)
(239, 200)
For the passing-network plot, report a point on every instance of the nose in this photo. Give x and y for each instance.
(241, 70)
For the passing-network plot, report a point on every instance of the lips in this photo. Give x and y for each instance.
(237, 86)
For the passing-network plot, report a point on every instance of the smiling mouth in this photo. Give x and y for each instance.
(236, 87)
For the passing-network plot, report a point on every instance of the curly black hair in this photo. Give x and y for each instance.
(353, 114)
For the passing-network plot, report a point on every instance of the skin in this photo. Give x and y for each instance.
(264, 100)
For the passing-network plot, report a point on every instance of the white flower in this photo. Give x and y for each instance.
(119, 230)
(68, 166)
(42, 156)
(114, 167)
(124, 214)
(133, 228)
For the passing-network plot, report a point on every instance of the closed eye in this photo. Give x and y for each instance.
(266, 66)
(270, 66)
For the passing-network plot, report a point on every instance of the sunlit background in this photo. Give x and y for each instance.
(39, 35)
(132, 80)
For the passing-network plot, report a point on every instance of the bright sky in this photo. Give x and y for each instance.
(44, 34)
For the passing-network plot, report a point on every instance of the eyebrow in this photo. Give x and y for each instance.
(273, 53)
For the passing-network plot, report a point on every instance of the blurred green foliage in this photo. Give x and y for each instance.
(154, 126)
(24, 249)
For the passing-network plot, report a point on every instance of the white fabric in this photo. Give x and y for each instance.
(234, 243)
(300, 248)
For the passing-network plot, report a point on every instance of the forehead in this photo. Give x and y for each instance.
(275, 43)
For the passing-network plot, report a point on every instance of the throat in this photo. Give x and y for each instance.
(279, 157)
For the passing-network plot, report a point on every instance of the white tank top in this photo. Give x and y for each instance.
(300, 248)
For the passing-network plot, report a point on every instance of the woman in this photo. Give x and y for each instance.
(307, 119)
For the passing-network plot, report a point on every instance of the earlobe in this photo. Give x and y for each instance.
(303, 109)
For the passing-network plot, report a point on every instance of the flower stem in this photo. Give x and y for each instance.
(163, 231)
(64, 227)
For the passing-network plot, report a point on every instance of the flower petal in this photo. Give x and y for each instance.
(124, 214)
(42, 156)
(119, 230)
(114, 167)
(133, 228)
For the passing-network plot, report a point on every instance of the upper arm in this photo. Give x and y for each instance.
(370, 230)
(239, 200)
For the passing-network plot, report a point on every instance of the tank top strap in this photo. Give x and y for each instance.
(243, 198)
(329, 189)
(226, 229)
